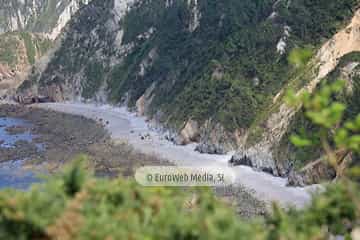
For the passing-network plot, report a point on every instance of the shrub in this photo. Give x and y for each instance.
(74, 205)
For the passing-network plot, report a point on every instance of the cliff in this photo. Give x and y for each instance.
(28, 30)
(215, 72)
(47, 17)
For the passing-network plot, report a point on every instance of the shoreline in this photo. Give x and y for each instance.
(125, 126)
(64, 137)
(112, 158)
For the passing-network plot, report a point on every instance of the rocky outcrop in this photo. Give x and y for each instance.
(190, 133)
(143, 103)
(210, 148)
(195, 15)
(257, 159)
(55, 92)
(214, 139)
(240, 160)
(282, 44)
(148, 61)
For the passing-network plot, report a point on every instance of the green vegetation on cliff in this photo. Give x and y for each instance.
(30, 48)
(94, 73)
(227, 64)
(16, 45)
(228, 68)
(7, 49)
(301, 125)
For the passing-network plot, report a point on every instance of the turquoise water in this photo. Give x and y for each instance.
(12, 173)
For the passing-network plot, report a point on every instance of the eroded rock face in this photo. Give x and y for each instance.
(191, 132)
(55, 92)
(140, 105)
(214, 139)
(256, 158)
(143, 103)
(211, 137)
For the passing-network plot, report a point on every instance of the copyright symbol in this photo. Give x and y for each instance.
(149, 177)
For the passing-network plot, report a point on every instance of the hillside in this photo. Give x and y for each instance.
(39, 16)
(18, 51)
(28, 29)
(212, 71)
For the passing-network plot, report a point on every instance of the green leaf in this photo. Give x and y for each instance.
(341, 137)
(291, 98)
(300, 141)
(338, 86)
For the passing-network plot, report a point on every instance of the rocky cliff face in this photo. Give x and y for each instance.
(38, 16)
(18, 52)
(216, 71)
(27, 30)
(89, 48)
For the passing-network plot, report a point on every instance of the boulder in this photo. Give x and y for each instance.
(242, 160)
(140, 106)
(256, 161)
(144, 102)
(296, 179)
(210, 148)
(190, 133)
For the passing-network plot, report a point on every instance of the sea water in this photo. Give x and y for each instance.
(12, 173)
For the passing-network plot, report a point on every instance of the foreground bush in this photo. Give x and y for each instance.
(76, 206)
